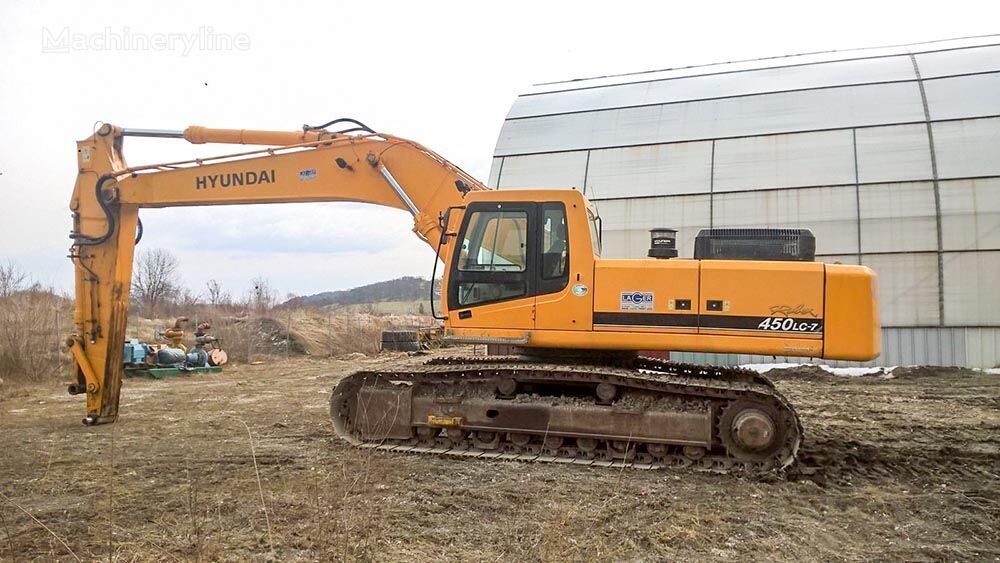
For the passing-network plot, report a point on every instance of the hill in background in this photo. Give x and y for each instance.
(404, 289)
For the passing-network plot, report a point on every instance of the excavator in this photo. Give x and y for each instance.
(521, 268)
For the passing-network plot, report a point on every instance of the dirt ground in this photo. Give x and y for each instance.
(903, 469)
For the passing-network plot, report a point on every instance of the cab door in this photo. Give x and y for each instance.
(564, 300)
(492, 275)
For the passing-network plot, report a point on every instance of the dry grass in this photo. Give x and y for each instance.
(10, 501)
(33, 324)
(250, 336)
(316, 333)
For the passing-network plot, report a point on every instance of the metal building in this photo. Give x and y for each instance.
(891, 156)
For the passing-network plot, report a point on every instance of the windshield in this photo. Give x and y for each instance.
(495, 241)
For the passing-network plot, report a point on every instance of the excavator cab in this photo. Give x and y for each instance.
(509, 251)
(516, 253)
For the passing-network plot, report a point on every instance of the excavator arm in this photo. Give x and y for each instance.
(308, 166)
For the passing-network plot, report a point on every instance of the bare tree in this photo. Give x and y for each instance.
(186, 299)
(154, 278)
(12, 279)
(263, 295)
(216, 295)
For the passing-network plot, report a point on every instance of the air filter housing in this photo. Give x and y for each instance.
(755, 244)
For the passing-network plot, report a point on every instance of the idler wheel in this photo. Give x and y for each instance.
(751, 430)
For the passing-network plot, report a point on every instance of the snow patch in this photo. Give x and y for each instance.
(764, 368)
(859, 371)
(842, 372)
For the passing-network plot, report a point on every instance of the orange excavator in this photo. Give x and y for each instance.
(522, 268)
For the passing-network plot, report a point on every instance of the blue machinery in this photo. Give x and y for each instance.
(162, 360)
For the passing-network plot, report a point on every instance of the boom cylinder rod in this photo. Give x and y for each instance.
(200, 135)
(160, 133)
(399, 190)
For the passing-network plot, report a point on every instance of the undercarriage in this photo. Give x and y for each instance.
(613, 412)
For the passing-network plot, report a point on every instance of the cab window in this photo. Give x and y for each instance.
(494, 242)
(555, 248)
(509, 250)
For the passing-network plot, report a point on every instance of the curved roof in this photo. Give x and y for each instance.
(822, 91)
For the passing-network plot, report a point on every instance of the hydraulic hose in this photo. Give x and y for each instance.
(84, 240)
(360, 126)
(434, 274)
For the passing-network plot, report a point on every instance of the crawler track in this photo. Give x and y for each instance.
(640, 413)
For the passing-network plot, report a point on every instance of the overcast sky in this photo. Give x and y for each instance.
(444, 74)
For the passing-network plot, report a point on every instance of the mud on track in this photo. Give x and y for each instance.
(905, 468)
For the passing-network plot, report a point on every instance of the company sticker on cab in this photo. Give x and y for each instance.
(636, 301)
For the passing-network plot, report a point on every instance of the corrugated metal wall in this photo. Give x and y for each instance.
(890, 156)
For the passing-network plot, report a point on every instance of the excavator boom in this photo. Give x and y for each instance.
(298, 167)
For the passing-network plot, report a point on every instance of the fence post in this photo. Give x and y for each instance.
(329, 335)
(288, 335)
(251, 333)
(58, 340)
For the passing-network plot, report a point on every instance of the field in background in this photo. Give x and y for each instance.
(35, 324)
(249, 336)
(409, 308)
(35, 321)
